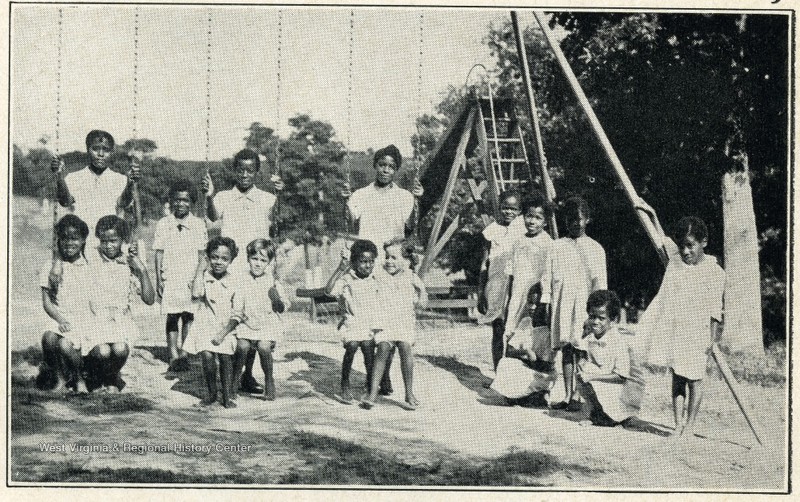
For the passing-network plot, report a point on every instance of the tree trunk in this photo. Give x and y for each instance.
(742, 329)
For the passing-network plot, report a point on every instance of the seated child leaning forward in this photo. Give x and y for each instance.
(117, 279)
(219, 313)
(262, 304)
(605, 380)
(358, 292)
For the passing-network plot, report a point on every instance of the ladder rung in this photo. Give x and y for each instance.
(503, 140)
(497, 119)
(510, 161)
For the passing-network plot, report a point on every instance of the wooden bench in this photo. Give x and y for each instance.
(320, 303)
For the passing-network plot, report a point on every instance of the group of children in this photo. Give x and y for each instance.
(540, 295)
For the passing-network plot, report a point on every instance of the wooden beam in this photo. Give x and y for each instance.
(440, 244)
(730, 380)
(533, 115)
(488, 166)
(458, 162)
(476, 189)
(619, 170)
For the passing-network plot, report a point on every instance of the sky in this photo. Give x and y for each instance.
(97, 72)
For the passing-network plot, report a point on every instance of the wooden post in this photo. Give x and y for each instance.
(619, 170)
(730, 380)
(533, 115)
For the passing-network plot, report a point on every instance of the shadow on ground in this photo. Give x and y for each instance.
(191, 381)
(469, 376)
(324, 373)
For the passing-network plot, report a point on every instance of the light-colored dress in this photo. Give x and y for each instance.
(110, 299)
(514, 379)
(593, 259)
(502, 240)
(564, 286)
(398, 296)
(220, 303)
(95, 195)
(361, 306)
(608, 354)
(382, 213)
(677, 323)
(529, 261)
(260, 322)
(179, 264)
(72, 299)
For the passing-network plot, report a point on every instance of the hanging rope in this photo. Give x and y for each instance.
(203, 202)
(418, 146)
(347, 166)
(278, 100)
(136, 156)
(54, 243)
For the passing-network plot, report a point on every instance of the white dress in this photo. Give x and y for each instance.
(72, 300)
(260, 322)
(110, 299)
(179, 264)
(528, 264)
(677, 323)
(220, 303)
(566, 286)
(398, 296)
(502, 240)
(361, 304)
(611, 354)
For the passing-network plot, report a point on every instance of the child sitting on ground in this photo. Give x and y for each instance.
(219, 313)
(262, 304)
(401, 289)
(358, 293)
(179, 245)
(116, 279)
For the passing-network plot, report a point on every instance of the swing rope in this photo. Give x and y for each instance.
(278, 100)
(54, 243)
(347, 160)
(135, 156)
(418, 145)
(203, 206)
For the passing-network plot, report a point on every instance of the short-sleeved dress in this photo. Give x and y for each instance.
(260, 322)
(608, 354)
(677, 323)
(361, 306)
(529, 261)
(110, 300)
(381, 213)
(180, 240)
(220, 303)
(565, 284)
(72, 299)
(398, 297)
(502, 240)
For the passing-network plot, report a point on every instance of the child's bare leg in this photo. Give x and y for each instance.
(97, 365)
(74, 364)
(498, 332)
(265, 356)
(385, 388)
(379, 365)
(678, 395)
(119, 356)
(239, 359)
(350, 349)
(368, 349)
(248, 381)
(210, 374)
(407, 366)
(51, 355)
(172, 337)
(695, 397)
(226, 377)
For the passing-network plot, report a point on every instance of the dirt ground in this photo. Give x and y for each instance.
(462, 434)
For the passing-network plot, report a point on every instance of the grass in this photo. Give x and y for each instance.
(68, 472)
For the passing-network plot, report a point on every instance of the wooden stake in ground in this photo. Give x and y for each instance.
(730, 380)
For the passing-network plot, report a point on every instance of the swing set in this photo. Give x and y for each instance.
(485, 124)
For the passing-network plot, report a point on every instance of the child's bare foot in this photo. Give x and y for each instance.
(208, 401)
(80, 387)
(679, 430)
(269, 390)
(346, 395)
(229, 404)
(61, 386)
(367, 404)
(412, 400)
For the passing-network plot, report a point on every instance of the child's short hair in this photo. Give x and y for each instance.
(574, 205)
(72, 221)
(218, 242)
(406, 249)
(247, 154)
(257, 245)
(605, 298)
(507, 194)
(536, 198)
(183, 185)
(362, 246)
(690, 225)
(112, 222)
(98, 135)
(390, 151)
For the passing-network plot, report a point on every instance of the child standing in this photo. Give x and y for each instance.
(116, 279)
(685, 317)
(499, 237)
(218, 314)
(68, 306)
(577, 268)
(358, 293)
(179, 246)
(262, 304)
(605, 372)
(530, 258)
(401, 289)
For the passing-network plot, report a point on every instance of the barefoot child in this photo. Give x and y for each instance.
(179, 246)
(530, 257)
(400, 289)
(262, 304)
(577, 268)
(116, 279)
(602, 376)
(358, 294)
(685, 317)
(218, 314)
(243, 213)
(68, 307)
(499, 237)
